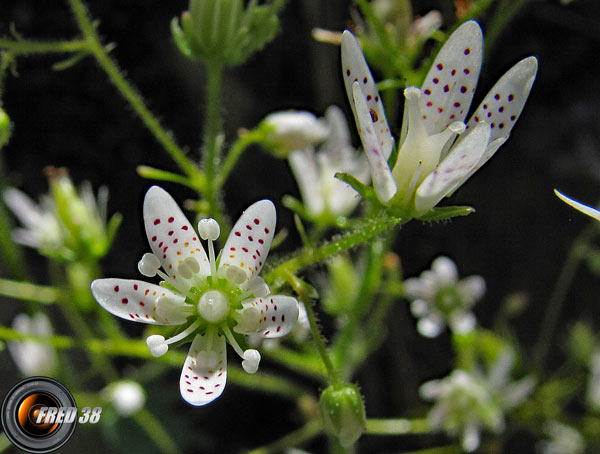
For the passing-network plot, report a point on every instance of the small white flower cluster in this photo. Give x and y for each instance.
(467, 402)
(33, 358)
(439, 298)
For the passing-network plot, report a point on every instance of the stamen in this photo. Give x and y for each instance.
(247, 320)
(185, 333)
(251, 361)
(149, 265)
(258, 287)
(209, 230)
(453, 129)
(236, 275)
(157, 345)
(174, 310)
(231, 340)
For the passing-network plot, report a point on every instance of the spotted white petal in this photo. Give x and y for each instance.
(383, 180)
(204, 372)
(250, 239)
(306, 172)
(505, 101)
(592, 212)
(356, 70)
(136, 300)
(461, 160)
(274, 316)
(450, 83)
(170, 235)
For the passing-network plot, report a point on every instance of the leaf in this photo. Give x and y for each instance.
(443, 213)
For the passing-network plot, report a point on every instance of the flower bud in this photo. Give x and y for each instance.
(223, 32)
(343, 413)
(291, 130)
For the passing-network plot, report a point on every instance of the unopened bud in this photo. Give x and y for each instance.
(5, 128)
(343, 413)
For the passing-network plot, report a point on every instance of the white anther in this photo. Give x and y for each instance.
(184, 271)
(157, 345)
(247, 320)
(149, 264)
(192, 264)
(236, 275)
(172, 310)
(213, 306)
(258, 287)
(251, 361)
(209, 229)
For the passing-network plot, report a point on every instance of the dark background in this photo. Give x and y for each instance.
(517, 240)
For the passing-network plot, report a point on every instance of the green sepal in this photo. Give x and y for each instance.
(366, 192)
(5, 128)
(180, 38)
(444, 213)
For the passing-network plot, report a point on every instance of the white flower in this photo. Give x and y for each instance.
(593, 387)
(215, 296)
(431, 162)
(126, 396)
(592, 212)
(33, 358)
(439, 298)
(466, 402)
(563, 439)
(41, 229)
(294, 130)
(322, 193)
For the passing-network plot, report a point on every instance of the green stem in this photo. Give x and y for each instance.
(26, 47)
(138, 349)
(4, 442)
(365, 231)
(155, 431)
(164, 137)
(399, 426)
(237, 149)
(557, 298)
(318, 338)
(295, 438)
(27, 291)
(212, 141)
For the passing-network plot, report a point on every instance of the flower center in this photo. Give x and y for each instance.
(213, 306)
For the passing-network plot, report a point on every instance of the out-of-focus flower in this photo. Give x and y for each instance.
(322, 194)
(5, 128)
(431, 162)
(592, 212)
(126, 396)
(218, 297)
(563, 439)
(33, 358)
(593, 387)
(67, 224)
(291, 130)
(467, 402)
(439, 298)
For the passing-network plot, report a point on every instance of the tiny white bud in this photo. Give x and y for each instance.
(127, 397)
(209, 229)
(157, 345)
(236, 275)
(149, 265)
(251, 361)
(258, 287)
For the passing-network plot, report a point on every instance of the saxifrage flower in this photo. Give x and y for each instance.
(431, 161)
(214, 296)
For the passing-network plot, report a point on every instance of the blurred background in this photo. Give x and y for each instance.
(517, 240)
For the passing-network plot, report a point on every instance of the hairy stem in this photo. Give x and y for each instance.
(27, 47)
(136, 101)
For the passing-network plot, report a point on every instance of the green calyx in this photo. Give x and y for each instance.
(343, 412)
(223, 32)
